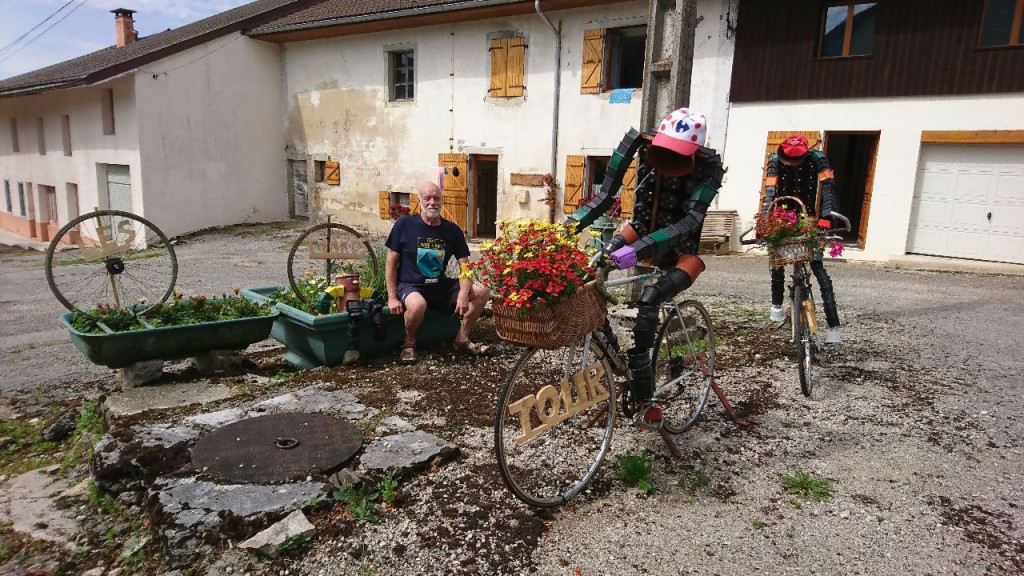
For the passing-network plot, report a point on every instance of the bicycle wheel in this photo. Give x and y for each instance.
(322, 252)
(803, 339)
(110, 258)
(684, 366)
(554, 422)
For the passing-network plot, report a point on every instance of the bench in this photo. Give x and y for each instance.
(718, 226)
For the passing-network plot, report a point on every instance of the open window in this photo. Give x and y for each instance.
(847, 29)
(613, 58)
(1001, 23)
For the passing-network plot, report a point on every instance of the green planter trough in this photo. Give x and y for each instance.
(122, 349)
(323, 340)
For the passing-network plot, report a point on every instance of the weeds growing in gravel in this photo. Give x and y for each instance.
(293, 543)
(635, 469)
(388, 487)
(693, 482)
(360, 503)
(807, 486)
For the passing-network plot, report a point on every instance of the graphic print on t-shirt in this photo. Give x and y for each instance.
(430, 256)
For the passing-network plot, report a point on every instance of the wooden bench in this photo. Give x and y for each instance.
(718, 226)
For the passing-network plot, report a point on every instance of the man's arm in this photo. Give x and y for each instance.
(391, 281)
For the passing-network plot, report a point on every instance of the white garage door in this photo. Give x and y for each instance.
(119, 187)
(969, 203)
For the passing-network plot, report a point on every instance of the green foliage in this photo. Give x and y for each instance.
(360, 503)
(293, 543)
(388, 487)
(807, 486)
(693, 482)
(24, 448)
(312, 283)
(101, 502)
(179, 312)
(684, 349)
(90, 420)
(758, 524)
(635, 469)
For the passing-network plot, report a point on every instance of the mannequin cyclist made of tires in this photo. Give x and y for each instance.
(795, 170)
(677, 177)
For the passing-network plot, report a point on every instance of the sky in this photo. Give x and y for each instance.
(78, 27)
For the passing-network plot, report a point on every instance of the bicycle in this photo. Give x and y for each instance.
(556, 411)
(802, 311)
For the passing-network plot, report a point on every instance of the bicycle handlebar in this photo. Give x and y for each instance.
(832, 232)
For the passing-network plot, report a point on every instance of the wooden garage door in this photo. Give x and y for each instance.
(969, 203)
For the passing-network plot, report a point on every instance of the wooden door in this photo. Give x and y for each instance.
(456, 198)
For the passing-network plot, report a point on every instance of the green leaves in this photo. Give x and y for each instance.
(635, 469)
(807, 486)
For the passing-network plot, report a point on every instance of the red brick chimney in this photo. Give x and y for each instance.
(124, 26)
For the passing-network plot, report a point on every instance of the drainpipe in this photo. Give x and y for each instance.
(554, 111)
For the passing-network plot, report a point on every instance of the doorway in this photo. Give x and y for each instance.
(485, 195)
(852, 156)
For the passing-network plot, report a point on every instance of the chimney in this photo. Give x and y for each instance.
(124, 26)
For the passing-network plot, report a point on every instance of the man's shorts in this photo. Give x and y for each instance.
(440, 295)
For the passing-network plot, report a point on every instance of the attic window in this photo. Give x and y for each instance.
(1003, 23)
(107, 111)
(41, 135)
(848, 29)
(65, 133)
(15, 147)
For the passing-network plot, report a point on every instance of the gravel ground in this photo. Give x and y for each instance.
(915, 423)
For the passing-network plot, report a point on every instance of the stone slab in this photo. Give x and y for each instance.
(138, 400)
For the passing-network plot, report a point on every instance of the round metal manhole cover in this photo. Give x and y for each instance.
(277, 448)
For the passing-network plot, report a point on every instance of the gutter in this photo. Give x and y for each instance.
(557, 99)
(381, 16)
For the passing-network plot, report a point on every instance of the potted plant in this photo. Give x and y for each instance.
(790, 235)
(181, 328)
(538, 278)
(317, 338)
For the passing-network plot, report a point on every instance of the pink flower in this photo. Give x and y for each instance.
(836, 250)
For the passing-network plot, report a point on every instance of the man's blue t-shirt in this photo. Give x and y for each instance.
(425, 249)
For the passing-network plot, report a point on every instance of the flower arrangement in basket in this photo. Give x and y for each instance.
(791, 236)
(538, 280)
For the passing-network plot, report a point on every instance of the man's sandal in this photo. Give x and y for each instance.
(408, 356)
(469, 347)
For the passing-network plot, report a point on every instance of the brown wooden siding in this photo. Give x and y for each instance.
(921, 48)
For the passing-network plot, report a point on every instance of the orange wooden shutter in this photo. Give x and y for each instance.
(332, 173)
(515, 68)
(499, 51)
(456, 201)
(628, 190)
(593, 51)
(573, 183)
(384, 204)
(414, 203)
(775, 137)
(865, 207)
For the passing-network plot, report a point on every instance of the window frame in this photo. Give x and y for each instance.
(392, 53)
(1016, 37)
(7, 197)
(599, 59)
(848, 30)
(107, 111)
(15, 142)
(22, 204)
(65, 133)
(614, 62)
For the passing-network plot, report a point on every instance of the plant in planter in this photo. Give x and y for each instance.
(182, 328)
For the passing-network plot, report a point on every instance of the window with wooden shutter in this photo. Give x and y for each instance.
(508, 67)
(332, 173)
(593, 51)
(628, 190)
(414, 203)
(573, 183)
(456, 198)
(775, 137)
(384, 204)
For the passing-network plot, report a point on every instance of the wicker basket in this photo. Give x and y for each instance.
(790, 252)
(551, 327)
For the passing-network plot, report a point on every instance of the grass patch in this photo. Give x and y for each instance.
(688, 348)
(691, 483)
(806, 486)
(635, 470)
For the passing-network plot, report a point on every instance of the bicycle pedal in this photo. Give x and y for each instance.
(648, 418)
